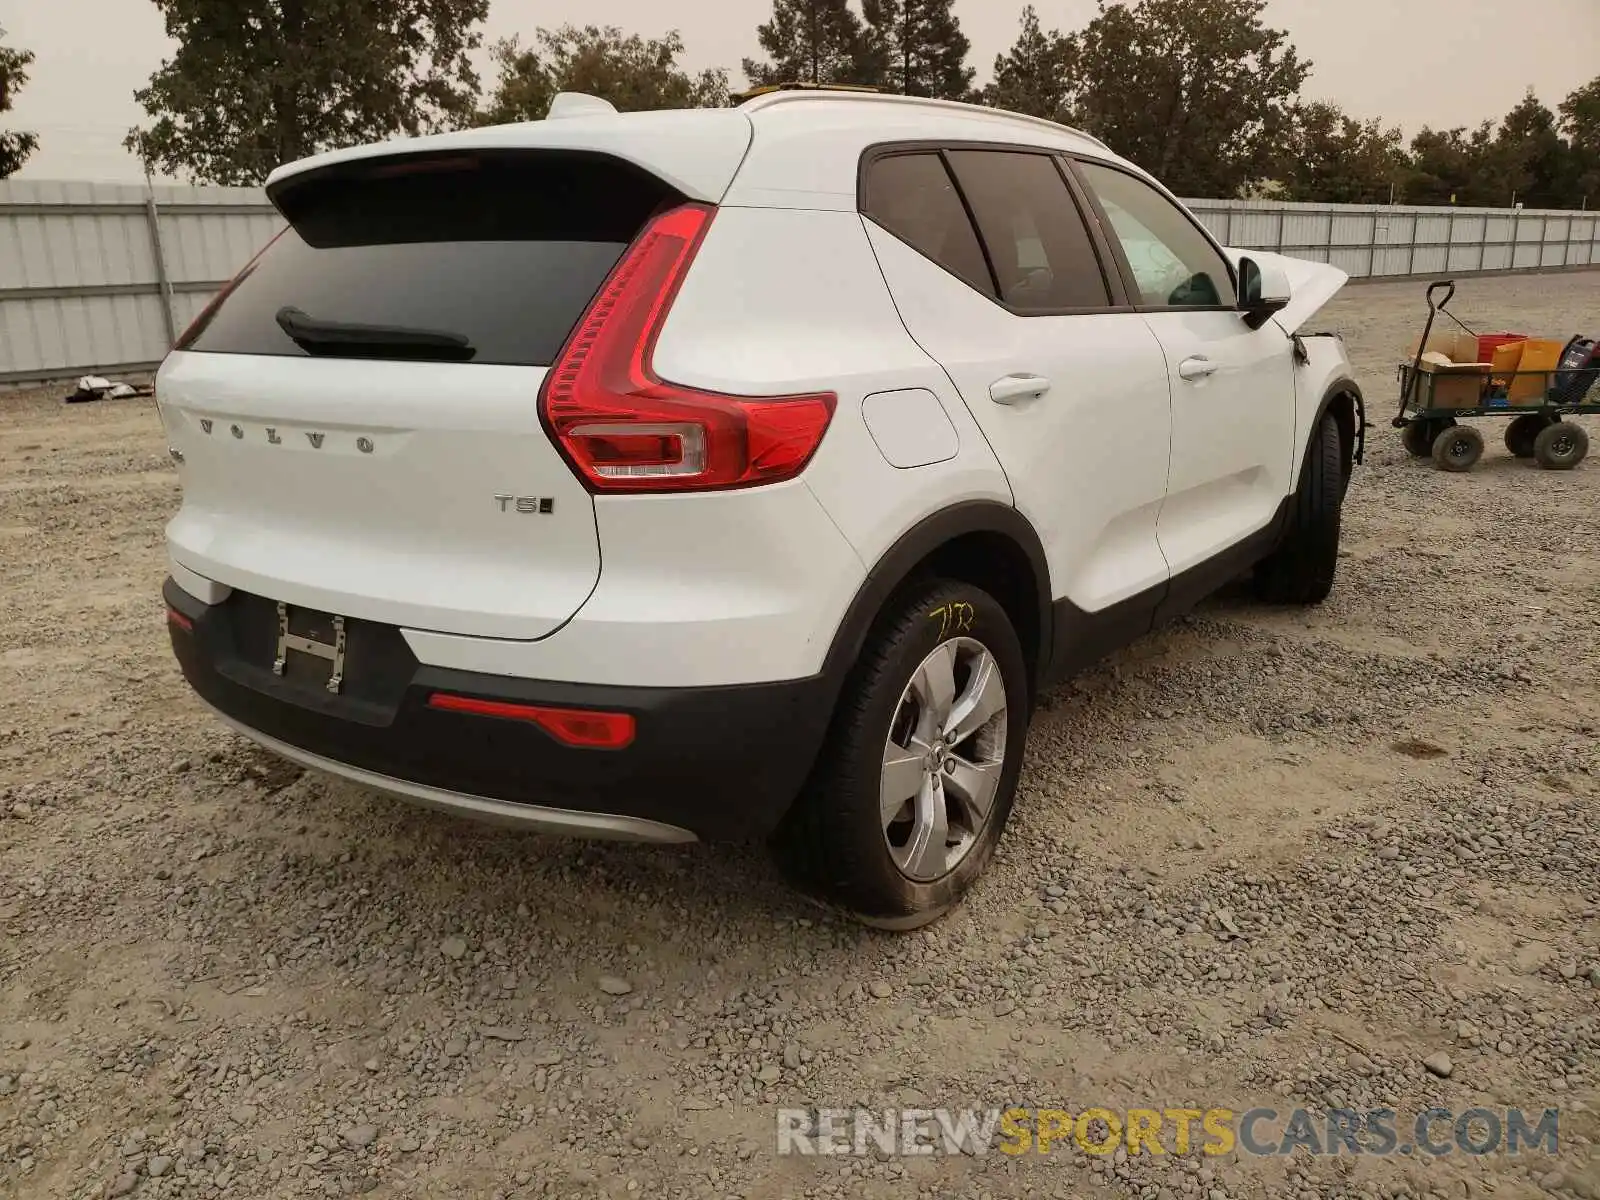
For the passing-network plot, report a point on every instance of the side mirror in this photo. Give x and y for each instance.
(1263, 290)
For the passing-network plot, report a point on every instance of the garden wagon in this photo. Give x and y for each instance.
(1436, 396)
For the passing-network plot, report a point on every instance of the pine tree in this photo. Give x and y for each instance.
(915, 47)
(1035, 76)
(808, 41)
(1529, 133)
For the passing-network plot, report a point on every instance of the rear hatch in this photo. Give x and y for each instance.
(356, 416)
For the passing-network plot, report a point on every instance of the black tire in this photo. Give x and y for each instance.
(834, 841)
(1301, 569)
(1458, 449)
(1522, 432)
(1561, 446)
(1417, 436)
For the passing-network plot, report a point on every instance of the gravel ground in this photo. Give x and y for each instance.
(1262, 857)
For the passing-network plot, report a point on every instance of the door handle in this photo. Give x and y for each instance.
(1011, 388)
(1196, 368)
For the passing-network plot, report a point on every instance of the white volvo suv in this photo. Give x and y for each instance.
(732, 473)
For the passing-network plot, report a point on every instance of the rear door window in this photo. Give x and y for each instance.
(1038, 242)
(481, 258)
(914, 198)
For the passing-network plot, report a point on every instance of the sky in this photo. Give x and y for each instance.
(1410, 62)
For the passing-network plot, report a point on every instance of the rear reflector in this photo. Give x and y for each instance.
(174, 617)
(575, 726)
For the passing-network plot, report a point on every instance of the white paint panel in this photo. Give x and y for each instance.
(1428, 260)
(102, 322)
(1392, 261)
(137, 320)
(1497, 258)
(1301, 230)
(1498, 228)
(1355, 261)
(1433, 229)
(61, 254)
(218, 258)
(16, 333)
(180, 242)
(36, 270)
(134, 232)
(10, 252)
(1396, 229)
(1353, 230)
(76, 343)
(48, 332)
(1256, 230)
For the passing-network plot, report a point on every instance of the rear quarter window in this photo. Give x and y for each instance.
(503, 251)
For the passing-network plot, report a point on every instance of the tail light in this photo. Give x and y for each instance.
(623, 429)
(203, 317)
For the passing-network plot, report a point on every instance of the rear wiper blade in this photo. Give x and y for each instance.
(354, 339)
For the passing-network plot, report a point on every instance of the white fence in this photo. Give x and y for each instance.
(101, 277)
(1372, 241)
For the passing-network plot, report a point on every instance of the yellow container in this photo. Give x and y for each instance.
(1541, 355)
(1506, 360)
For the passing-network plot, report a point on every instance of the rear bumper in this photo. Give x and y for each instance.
(710, 763)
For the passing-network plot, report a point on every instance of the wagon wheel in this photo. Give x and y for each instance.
(1458, 448)
(1417, 436)
(1522, 432)
(1561, 446)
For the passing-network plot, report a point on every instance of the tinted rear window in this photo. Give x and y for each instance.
(503, 250)
(1037, 239)
(912, 196)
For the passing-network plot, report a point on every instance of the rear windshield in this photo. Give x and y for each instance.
(482, 258)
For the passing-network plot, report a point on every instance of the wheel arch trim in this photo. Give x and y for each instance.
(1342, 386)
(914, 547)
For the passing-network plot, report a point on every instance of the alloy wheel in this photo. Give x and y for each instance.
(943, 759)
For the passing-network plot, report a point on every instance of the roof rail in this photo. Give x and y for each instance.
(768, 97)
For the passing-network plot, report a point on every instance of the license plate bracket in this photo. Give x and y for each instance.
(333, 652)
